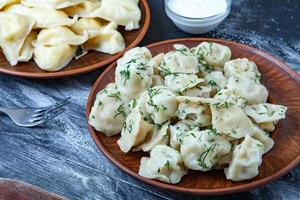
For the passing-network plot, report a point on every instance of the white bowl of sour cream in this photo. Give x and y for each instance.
(197, 16)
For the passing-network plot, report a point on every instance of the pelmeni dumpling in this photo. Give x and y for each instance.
(198, 91)
(180, 83)
(267, 126)
(4, 3)
(264, 138)
(241, 67)
(230, 119)
(103, 36)
(215, 55)
(123, 12)
(266, 112)
(108, 112)
(156, 61)
(14, 29)
(50, 4)
(53, 58)
(177, 133)
(165, 164)
(216, 80)
(134, 132)
(246, 159)
(44, 18)
(27, 49)
(248, 89)
(83, 9)
(194, 110)
(160, 135)
(181, 60)
(60, 35)
(159, 104)
(200, 150)
(133, 75)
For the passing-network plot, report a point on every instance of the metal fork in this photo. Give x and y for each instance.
(30, 117)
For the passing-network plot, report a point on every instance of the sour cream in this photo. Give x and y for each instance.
(198, 8)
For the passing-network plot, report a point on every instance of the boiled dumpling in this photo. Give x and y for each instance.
(156, 61)
(241, 67)
(50, 4)
(14, 29)
(60, 35)
(200, 150)
(133, 75)
(83, 9)
(267, 126)
(264, 138)
(180, 83)
(160, 135)
(27, 49)
(53, 58)
(181, 60)
(177, 133)
(123, 12)
(159, 104)
(44, 18)
(230, 119)
(134, 132)
(4, 3)
(216, 80)
(246, 160)
(198, 91)
(108, 112)
(194, 110)
(103, 36)
(215, 55)
(266, 112)
(249, 89)
(165, 164)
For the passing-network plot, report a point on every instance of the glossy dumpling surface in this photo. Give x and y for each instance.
(242, 86)
(246, 159)
(108, 112)
(181, 60)
(229, 118)
(27, 49)
(134, 132)
(103, 36)
(266, 112)
(160, 135)
(83, 9)
(123, 12)
(44, 18)
(14, 29)
(50, 4)
(60, 35)
(159, 104)
(200, 150)
(241, 67)
(165, 164)
(215, 55)
(133, 74)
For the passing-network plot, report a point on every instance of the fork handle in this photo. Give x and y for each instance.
(4, 110)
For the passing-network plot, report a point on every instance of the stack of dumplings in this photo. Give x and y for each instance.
(191, 109)
(51, 31)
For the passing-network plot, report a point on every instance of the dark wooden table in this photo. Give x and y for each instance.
(61, 157)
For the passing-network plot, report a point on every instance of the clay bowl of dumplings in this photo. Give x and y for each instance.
(283, 85)
(92, 61)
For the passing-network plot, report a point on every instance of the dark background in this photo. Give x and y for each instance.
(61, 157)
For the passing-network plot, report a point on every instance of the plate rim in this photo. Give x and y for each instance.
(77, 71)
(219, 191)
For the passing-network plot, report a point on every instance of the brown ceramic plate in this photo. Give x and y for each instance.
(283, 85)
(93, 60)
